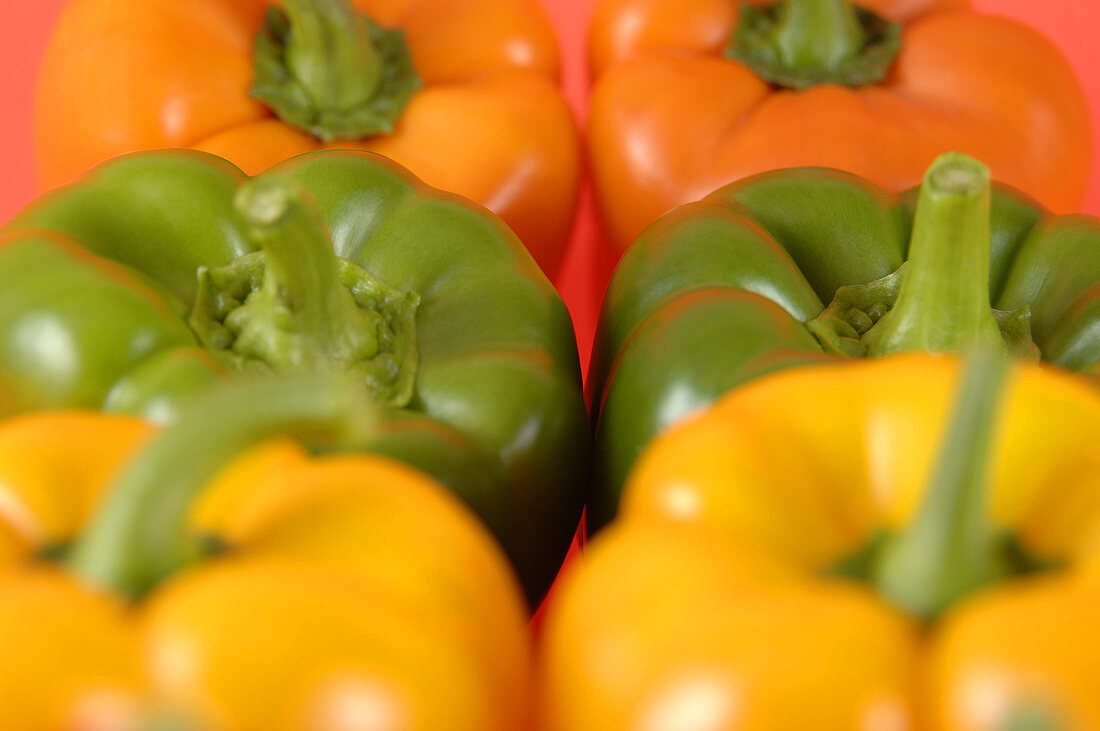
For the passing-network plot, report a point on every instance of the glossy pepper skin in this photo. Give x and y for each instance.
(463, 94)
(209, 577)
(771, 564)
(676, 113)
(798, 266)
(140, 282)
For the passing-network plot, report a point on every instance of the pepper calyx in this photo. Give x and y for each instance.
(235, 318)
(331, 71)
(798, 44)
(1009, 550)
(296, 306)
(856, 308)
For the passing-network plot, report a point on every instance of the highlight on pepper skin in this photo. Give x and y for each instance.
(905, 543)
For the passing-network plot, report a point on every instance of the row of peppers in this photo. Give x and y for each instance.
(793, 542)
(688, 96)
(751, 583)
(803, 533)
(202, 576)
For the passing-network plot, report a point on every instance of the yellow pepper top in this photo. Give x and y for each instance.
(770, 566)
(337, 592)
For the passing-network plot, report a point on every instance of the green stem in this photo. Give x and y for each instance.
(802, 43)
(943, 304)
(139, 537)
(329, 70)
(295, 306)
(330, 53)
(950, 549)
(822, 33)
(301, 274)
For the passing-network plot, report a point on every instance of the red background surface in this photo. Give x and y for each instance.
(1071, 24)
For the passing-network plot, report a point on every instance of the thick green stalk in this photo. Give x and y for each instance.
(950, 549)
(330, 53)
(139, 536)
(821, 33)
(803, 43)
(943, 304)
(295, 306)
(301, 280)
(331, 71)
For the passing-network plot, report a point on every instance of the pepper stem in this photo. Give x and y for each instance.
(331, 54)
(301, 281)
(943, 304)
(326, 68)
(950, 549)
(802, 43)
(823, 33)
(295, 306)
(139, 536)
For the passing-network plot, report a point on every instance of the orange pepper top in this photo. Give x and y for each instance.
(674, 117)
(488, 122)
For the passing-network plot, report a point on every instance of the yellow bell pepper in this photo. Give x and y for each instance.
(282, 591)
(817, 552)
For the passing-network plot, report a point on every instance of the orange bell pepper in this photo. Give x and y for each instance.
(804, 555)
(281, 592)
(691, 96)
(464, 95)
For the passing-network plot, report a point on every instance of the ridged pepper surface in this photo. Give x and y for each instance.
(209, 578)
(693, 94)
(461, 92)
(158, 272)
(838, 547)
(802, 265)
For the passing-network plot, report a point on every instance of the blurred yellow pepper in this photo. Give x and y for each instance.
(281, 592)
(818, 551)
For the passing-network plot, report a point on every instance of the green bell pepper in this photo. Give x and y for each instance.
(732, 287)
(158, 272)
